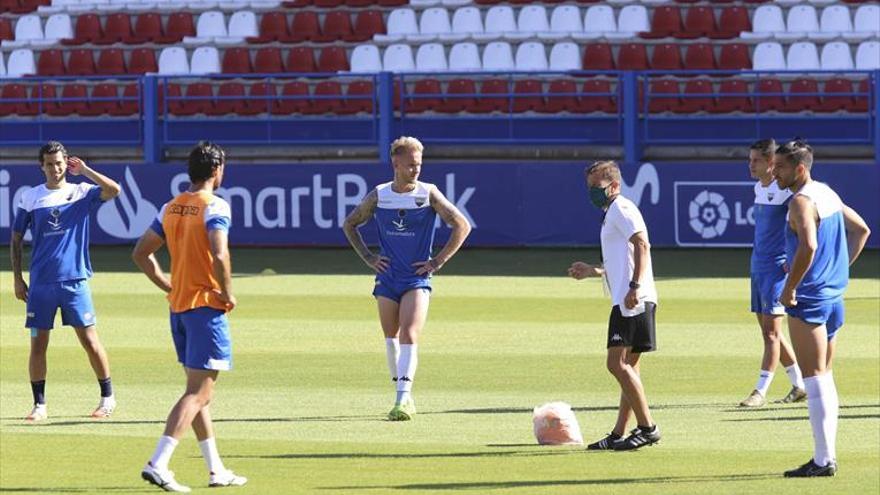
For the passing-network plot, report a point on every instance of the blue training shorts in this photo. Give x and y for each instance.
(201, 339)
(395, 290)
(830, 314)
(766, 289)
(72, 296)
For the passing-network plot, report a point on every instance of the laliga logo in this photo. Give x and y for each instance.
(135, 215)
(646, 177)
(708, 214)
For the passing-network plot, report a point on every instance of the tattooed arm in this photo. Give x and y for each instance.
(460, 230)
(355, 219)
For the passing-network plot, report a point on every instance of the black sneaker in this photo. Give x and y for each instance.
(638, 438)
(811, 469)
(606, 443)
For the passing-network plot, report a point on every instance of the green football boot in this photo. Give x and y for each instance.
(403, 411)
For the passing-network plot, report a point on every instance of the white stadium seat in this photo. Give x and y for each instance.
(398, 58)
(498, 56)
(435, 21)
(401, 22)
(768, 56)
(866, 23)
(242, 24)
(836, 56)
(210, 25)
(867, 56)
(499, 20)
(21, 63)
(531, 56)
(566, 19)
(532, 19)
(766, 20)
(565, 56)
(2, 66)
(835, 19)
(28, 28)
(365, 58)
(58, 27)
(633, 19)
(431, 57)
(467, 20)
(172, 60)
(802, 55)
(205, 60)
(802, 20)
(600, 18)
(464, 57)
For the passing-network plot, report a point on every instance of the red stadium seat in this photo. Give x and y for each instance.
(806, 102)
(117, 28)
(81, 63)
(530, 99)
(179, 24)
(562, 103)
(236, 61)
(699, 22)
(359, 3)
(659, 102)
(337, 26)
(128, 107)
(273, 27)
(268, 61)
(769, 102)
(333, 59)
(598, 56)
(97, 105)
(632, 56)
(366, 24)
(699, 56)
(861, 102)
(51, 63)
(487, 104)
(165, 101)
(193, 106)
(734, 56)
(74, 101)
(111, 62)
(258, 106)
(6, 32)
(87, 30)
(733, 21)
(666, 22)
(740, 103)
(459, 87)
(295, 4)
(327, 4)
(299, 105)
(142, 60)
(147, 29)
(832, 101)
(693, 105)
(425, 87)
(301, 59)
(304, 27)
(666, 56)
(598, 102)
(392, 3)
(18, 92)
(8, 6)
(327, 104)
(49, 96)
(353, 106)
(224, 106)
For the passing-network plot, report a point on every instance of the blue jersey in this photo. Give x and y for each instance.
(59, 223)
(406, 230)
(828, 275)
(770, 210)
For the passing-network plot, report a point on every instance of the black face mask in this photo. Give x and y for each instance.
(599, 196)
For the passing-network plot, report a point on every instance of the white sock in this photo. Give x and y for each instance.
(822, 403)
(794, 375)
(208, 447)
(406, 370)
(164, 450)
(392, 353)
(764, 380)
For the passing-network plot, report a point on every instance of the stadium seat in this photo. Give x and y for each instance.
(2, 66)
(117, 29)
(337, 26)
(27, 106)
(802, 56)
(50, 63)
(304, 27)
(807, 102)
(130, 104)
(833, 100)
(734, 56)
(97, 105)
(366, 58)
(28, 28)
(632, 56)
(273, 27)
(732, 21)
(147, 29)
(234, 105)
(431, 57)
(173, 60)
(664, 96)
(434, 22)
(180, 25)
(532, 19)
(699, 56)
(211, 25)
(868, 55)
(262, 99)
(768, 56)
(432, 92)
(769, 95)
(467, 20)
(835, 21)
(58, 27)
(531, 56)
(566, 19)
(498, 56)
(333, 59)
(142, 60)
(401, 22)
(331, 101)
(328, 4)
(528, 96)
(836, 56)
(598, 56)
(738, 99)
(74, 101)
(268, 61)
(692, 104)
(398, 58)
(565, 56)
(111, 62)
(205, 60)
(766, 20)
(242, 25)
(866, 23)
(566, 99)
(801, 21)
(6, 31)
(499, 20)
(860, 103)
(666, 56)
(298, 102)
(367, 23)
(633, 19)
(81, 62)
(699, 22)
(666, 22)
(46, 98)
(453, 104)
(488, 104)
(20, 63)
(236, 61)
(599, 18)
(464, 57)
(358, 105)
(301, 59)
(595, 97)
(199, 100)
(87, 30)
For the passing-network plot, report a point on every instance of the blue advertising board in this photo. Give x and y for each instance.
(509, 204)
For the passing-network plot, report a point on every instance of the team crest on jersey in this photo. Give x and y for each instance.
(420, 201)
(770, 196)
(55, 219)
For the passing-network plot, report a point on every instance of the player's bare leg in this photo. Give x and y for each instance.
(218, 474)
(37, 371)
(88, 339)
(620, 366)
(624, 414)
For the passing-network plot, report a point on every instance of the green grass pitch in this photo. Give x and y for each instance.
(303, 410)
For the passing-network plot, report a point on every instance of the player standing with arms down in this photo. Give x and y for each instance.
(195, 226)
(405, 210)
(630, 277)
(768, 276)
(57, 212)
(823, 237)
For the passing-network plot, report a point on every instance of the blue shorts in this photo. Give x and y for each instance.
(201, 339)
(766, 289)
(395, 290)
(831, 314)
(72, 296)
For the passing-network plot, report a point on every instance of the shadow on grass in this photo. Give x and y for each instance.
(802, 418)
(528, 410)
(790, 407)
(92, 489)
(497, 485)
(430, 455)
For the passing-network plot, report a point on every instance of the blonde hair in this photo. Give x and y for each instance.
(606, 169)
(406, 143)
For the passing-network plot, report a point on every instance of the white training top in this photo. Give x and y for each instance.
(622, 220)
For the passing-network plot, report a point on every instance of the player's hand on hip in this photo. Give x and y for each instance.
(75, 165)
(378, 263)
(580, 270)
(788, 298)
(227, 299)
(21, 290)
(632, 299)
(427, 267)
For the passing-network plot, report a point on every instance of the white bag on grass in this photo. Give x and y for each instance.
(555, 424)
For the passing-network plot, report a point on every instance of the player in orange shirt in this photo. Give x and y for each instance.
(194, 225)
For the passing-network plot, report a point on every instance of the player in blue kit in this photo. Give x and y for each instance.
(822, 239)
(768, 275)
(57, 214)
(405, 211)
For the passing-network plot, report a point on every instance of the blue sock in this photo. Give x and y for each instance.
(106, 387)
(39, 391)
